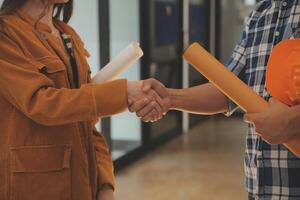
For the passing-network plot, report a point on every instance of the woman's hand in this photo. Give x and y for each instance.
(144, 107)
(135, 93)
(106, 193)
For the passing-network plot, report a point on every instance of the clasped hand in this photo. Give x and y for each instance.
(149, 99)
(274, 124)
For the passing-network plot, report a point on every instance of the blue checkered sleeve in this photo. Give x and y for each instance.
(271, 171)
(236, 64)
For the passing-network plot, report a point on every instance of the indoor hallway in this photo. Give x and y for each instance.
(205, 164)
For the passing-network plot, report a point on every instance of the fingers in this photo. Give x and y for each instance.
(156, 103)
(159, 111)
(138, 105)
(152, 112)
(160, 102)
(273, 101)
(152, 108)
(155, 85)
(158, 91)
(150, 117)
(130, 102)
(146, 110)
(146, 86)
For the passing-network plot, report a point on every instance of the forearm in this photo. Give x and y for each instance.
(54, 106)
(294, 125)
(203, 99)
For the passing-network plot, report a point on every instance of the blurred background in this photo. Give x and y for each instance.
(183, 156)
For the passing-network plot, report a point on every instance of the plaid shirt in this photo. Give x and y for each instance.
(272, 172)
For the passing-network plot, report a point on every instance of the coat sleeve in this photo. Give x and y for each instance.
(34, 94)
(104, 162)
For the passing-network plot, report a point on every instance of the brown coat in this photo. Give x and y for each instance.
(49, 148)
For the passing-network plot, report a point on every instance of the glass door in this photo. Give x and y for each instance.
(199, 26)
(124, 28)
(162, 43)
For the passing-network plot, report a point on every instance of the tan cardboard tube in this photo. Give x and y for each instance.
(122, 62)
(228, 83)
(224, 79)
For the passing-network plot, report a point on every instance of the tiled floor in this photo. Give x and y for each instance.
(205, 164)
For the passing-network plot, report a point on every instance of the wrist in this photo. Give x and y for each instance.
(129, 86)
(173, 93)
(133, 88)
(106, 186)
(293, 117)
(105, 192)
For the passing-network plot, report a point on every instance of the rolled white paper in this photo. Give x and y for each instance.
(119, 64)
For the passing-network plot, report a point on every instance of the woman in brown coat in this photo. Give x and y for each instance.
(49, 148)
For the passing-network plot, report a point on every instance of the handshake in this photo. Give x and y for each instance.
(149, 99)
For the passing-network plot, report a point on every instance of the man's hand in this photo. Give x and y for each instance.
(144, 98)
(106, 193)
(143, 108)
(273, 124)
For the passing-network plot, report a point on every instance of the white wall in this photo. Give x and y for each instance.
(85, 20)
(231, 28)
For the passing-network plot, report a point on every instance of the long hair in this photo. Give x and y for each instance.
(60, 11)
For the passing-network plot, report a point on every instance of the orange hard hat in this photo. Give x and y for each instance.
(283, 72)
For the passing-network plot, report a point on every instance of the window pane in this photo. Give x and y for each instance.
(85, 20)
(124, 28)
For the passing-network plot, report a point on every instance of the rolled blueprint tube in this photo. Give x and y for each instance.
(224, 80)
(231, 86)
(119, 64)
